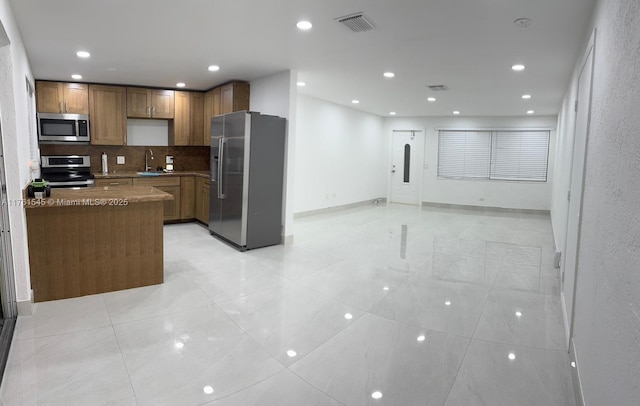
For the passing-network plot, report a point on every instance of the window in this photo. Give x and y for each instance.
(496, 155)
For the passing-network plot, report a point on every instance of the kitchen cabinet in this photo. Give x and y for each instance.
(234, 97)
(212, 107)
(202, 200)
(197, 119)
(58, 97)
(224, 99)
(108, 115)
(150, 103)
(186, 127)
(187, 197)
(114, 182)
(169, 184)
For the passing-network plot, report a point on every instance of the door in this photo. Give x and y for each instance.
(404, 168)
(233, 204)
(215, 192)
(571, 266)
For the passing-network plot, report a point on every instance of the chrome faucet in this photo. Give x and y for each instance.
(147, 168)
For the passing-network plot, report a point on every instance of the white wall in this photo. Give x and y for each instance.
(607, 312)
(14, 110)
(341, 156)
(515, 195)
(277, 95)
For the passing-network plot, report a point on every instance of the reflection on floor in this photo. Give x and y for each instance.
(390, 305)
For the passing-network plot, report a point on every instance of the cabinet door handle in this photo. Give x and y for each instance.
(60, 107)
(114, 183)
(148, 111)
(153, 111)
(65, 107)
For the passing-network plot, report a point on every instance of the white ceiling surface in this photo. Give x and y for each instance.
(469, 45)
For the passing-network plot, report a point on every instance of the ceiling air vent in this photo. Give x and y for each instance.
(356, 22)
(438, 88)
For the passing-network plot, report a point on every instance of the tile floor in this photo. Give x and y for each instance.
(390, 305)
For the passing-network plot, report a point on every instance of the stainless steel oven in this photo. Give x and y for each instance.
(67, 171)
(63, 128)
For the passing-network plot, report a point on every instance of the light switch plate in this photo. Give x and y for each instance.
(120, 160)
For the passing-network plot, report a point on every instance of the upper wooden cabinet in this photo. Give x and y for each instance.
(108, 112)
(211, 108)
(57, 97)
(197, 119)
(186, 126)
(235, 97)
(150, 103)
(224, 99)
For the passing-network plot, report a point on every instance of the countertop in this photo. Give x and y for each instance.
(201, 174)
(99, 196)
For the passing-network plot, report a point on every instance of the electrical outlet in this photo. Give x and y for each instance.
(481, 199)
(120, 160)
(169, 159)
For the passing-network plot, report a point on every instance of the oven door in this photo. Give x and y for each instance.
(63, 128)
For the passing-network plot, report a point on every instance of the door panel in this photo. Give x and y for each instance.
(233, 177)
(404, 171)
(570, 266)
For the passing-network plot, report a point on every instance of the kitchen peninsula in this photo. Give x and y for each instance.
(95, 240)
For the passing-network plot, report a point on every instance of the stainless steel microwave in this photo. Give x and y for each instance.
(63, 128)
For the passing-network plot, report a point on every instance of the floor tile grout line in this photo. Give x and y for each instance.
(466, 351)
(124, 362)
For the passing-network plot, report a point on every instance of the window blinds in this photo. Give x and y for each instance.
(499, 155)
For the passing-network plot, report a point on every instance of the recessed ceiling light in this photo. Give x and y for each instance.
(456, 112)
(354, 101)
(391, 113)
(530, 111)
(304, 25)
(421, 338)
(180, 84)
(301, 84)
(83, 54)
(431, 99)
(518, 68)
(76, 76)
(213, 68)
(512, 356)
(348, 316)
(376, 395)
(291, 353)
(389, 74)
(526, 96)
(208, 390)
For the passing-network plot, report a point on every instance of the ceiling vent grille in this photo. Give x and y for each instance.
(356, 22)
(438, 88)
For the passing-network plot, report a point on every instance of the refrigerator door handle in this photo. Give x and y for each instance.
(220, 166)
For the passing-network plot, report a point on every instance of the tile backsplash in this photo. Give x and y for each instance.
(184, 158)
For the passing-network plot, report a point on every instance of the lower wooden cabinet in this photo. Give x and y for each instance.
(114, 182)
(169, 184)
(202, 200)
(188, 197)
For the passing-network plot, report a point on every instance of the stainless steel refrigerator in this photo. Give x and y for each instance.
(247, 170)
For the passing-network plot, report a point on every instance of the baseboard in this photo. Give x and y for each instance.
(25, 308)
(575, 375)
(380, 200)
(287, 239)
(485, 208)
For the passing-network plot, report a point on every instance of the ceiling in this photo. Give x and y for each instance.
(468, 45)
